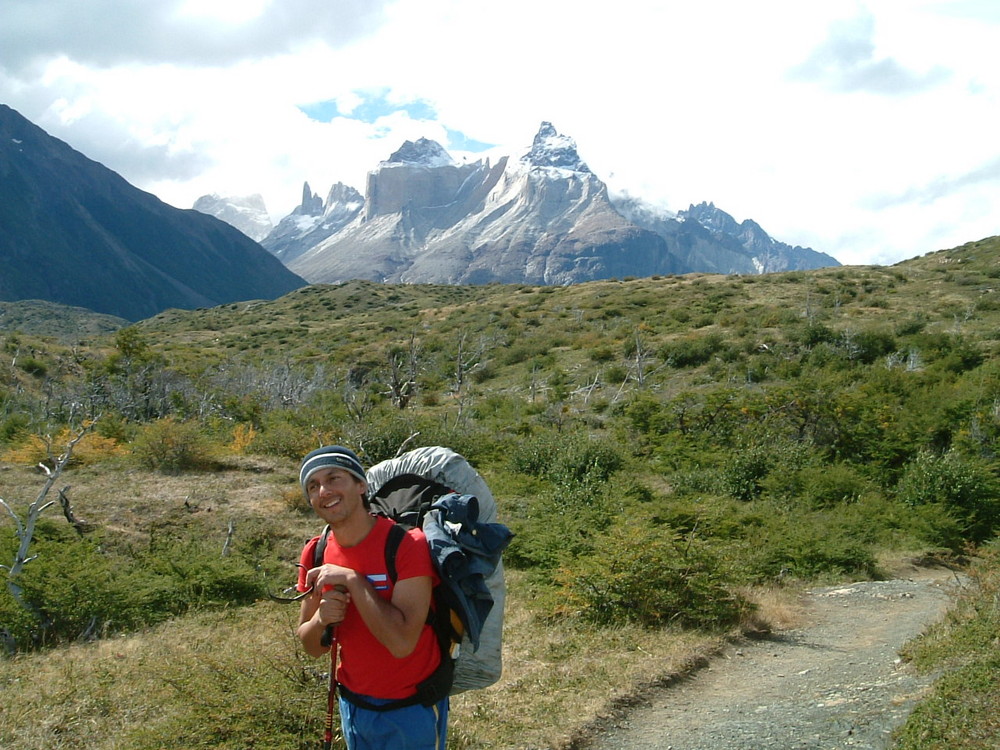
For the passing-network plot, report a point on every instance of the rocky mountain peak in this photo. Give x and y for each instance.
(765, 253)
(423, 152)
(248, 213)
(342, 194)
(311, 205)
(550, 149)
(749, 232)
(710, 217)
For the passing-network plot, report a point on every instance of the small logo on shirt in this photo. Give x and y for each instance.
(380, 581)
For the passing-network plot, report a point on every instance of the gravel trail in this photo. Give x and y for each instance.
(834, 682)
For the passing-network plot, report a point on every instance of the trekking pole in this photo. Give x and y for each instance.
(329, 638)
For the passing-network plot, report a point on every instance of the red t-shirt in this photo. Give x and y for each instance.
(366, 666)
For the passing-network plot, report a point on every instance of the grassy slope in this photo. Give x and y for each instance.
(165, 686)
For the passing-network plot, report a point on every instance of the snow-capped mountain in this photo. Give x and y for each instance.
(540, 218)
(313, 221)
(247, 213)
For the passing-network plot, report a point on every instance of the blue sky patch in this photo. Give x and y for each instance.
(374, 106)
(462, 142)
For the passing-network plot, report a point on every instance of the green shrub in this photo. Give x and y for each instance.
(33, 366)
(912, 325)
(692, 351)
(966, 486)
(806, 546)
(558, 524)
(76, 588)
(743, 476)
(962, 710)
(602, 354)
(819, 486)
(868, 346)
(564, 459)
(813, 334)
(171, 447)
(639, 572)
(281, 436)
(747, 468)
(13, 427)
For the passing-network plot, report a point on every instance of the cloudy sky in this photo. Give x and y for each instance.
(866, 130)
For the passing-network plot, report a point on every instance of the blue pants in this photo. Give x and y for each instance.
(410, 728)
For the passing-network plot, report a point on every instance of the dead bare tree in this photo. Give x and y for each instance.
(588, 389)
(25, 529)
(402, 369)
(640, 361)
(464, 362)
(81, 526)
(402, 446)
(467, 361)
(231, 531)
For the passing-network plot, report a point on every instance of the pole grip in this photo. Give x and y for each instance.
(326, 640)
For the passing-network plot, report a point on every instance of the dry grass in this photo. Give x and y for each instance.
(133, 692)
(122, 499)
(776, 608)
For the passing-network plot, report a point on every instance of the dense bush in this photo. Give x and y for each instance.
(649, 574)
(692, 351)
(805, 546)
(555, 525)
(818, 485)
(965, 486)
(565, 459)
(75, 588)
(170, 446)
(33, 450)
(962, 710)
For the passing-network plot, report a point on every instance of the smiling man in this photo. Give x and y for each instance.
(386, 646)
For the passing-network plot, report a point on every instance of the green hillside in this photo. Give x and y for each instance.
(672, 452)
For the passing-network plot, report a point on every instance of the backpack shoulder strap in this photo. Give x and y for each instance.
(320, 547)
(392, 542)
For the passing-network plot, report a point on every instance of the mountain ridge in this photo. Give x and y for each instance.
(540, 218)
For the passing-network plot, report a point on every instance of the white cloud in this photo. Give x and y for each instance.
(864, 130)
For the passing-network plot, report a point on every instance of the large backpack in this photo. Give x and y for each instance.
(436, 489)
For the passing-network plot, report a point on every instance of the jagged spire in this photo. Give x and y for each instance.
(549, 149)
(312, 204)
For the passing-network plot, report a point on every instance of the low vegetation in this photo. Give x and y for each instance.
(672, 453)
(963, 711)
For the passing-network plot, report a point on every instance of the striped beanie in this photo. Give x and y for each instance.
(331, 456)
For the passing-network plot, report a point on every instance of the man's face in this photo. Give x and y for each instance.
(336, 495)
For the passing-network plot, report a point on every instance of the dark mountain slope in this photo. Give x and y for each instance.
(74, 232)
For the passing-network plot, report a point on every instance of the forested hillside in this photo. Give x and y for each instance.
(664, 449)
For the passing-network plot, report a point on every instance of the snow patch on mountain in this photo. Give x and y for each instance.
(551, 149)
(421, 153)
(247, 213)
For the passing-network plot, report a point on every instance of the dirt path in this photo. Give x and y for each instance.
(834, 682)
